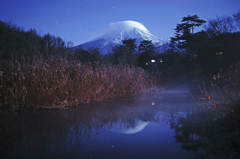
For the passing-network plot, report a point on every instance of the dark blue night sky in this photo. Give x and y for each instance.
(82, 20)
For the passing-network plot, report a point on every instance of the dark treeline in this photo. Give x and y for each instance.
(17, 43)
(129, 53)
(212, 49)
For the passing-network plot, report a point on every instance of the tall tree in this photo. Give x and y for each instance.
(185, 30)
(95, 55)
(192, 22)
(221, 25)
(82, 55)
(130, 45)
(146, 46)
(237, 19)
(145, 49)
(124, 53)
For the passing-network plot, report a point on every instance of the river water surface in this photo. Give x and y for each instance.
(162, 124)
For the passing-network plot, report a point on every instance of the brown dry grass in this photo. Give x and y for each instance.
(225, 93)
(224, 104)
(59, 83)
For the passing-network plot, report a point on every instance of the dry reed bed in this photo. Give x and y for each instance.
(60, 83)
(224, 100)
(225, 93)
(224, 104)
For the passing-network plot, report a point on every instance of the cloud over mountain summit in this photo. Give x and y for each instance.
(129, 24)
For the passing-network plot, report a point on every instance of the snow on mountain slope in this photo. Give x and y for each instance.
(121, 31)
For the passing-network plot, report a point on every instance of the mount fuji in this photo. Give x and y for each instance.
(122, 31)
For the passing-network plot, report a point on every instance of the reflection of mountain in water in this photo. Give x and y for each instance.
(31, 133)
(139, 126)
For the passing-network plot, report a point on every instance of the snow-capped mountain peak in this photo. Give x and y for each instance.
(121, 31)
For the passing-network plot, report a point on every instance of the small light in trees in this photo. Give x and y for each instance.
(219, 53)
(146, 63)
(161, 60)
(152, 60)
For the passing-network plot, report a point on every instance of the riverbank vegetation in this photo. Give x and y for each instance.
(215, 51)
(61, 83)
(44, 72)
(223, 101)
